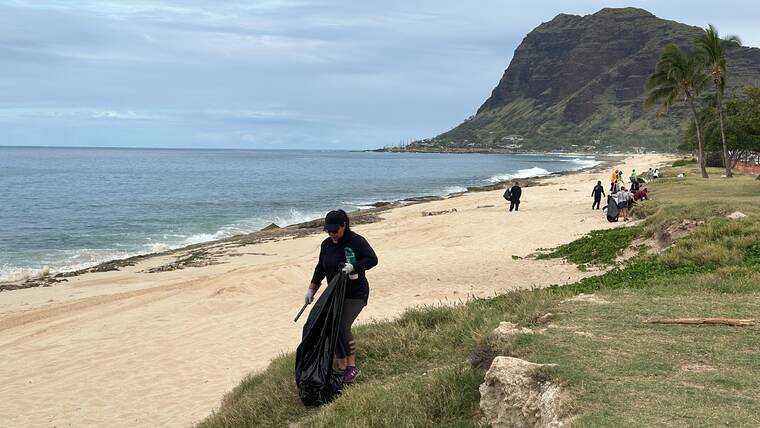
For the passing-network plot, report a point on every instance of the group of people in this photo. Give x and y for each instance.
(626, 197)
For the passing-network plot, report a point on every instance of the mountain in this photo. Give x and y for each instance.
(577, 82)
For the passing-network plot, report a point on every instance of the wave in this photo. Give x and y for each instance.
(523, 173)
(583, 163)
(454, 189)
(18, 274)
(74, 260)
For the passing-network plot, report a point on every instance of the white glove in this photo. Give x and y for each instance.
(348, 268)
(309, 297)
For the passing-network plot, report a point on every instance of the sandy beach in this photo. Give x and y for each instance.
(133, 348)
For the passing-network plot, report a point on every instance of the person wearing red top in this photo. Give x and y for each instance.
(641, 195)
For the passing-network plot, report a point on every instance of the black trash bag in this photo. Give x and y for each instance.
(612, 210)
(317, 382)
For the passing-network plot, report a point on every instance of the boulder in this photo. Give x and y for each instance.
(516, 394)
(736, 215)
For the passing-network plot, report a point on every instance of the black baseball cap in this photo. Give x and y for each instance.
(334, 220)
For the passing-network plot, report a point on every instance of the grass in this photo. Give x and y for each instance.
(684, 162)
(620, 372)
(600, 247)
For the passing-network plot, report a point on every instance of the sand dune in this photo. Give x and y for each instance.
(132, 348)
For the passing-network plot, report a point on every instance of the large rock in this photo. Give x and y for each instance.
(516, 394)
(580, 80)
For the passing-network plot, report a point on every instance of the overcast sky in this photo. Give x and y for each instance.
(272, 73)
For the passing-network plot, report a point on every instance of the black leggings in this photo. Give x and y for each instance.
(596, 203)
(346, 346)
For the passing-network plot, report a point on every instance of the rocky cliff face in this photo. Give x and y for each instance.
(578, 81)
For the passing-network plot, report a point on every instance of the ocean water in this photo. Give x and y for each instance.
(63, 209)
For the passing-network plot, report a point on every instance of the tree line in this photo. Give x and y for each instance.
(730, 128)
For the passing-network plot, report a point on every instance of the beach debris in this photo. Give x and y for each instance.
(485, 206)
(699, 321)
(563, 189)
(584, 333)
(736, 215)
(432, 213)
(587, 298)
(517, 393)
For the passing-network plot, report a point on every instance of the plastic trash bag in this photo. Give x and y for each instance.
(316, 380)
(612, 210)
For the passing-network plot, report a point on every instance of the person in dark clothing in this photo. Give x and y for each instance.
(335, 256)
(514, 197)
(597, 193)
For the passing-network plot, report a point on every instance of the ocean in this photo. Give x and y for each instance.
(64, 209)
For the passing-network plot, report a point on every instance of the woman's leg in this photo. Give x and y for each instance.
(346, 349)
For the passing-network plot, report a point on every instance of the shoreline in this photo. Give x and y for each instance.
(274, 231)
(157, 344)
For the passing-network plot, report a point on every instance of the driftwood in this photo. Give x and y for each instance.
(698, 321)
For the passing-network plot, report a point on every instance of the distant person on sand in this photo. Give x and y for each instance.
(597, 194)
(514, 197)
(656, 173)
(333, 254)
(613, 180)
(624, 202)
(650, 174)
(641, 195)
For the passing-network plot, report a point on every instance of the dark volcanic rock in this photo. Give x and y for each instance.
(580, 80)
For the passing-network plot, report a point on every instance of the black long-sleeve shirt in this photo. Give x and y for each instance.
(598, 191)
(514, 193)
(331, 257)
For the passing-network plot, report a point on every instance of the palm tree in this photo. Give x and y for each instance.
(712, 51)
(678, 75)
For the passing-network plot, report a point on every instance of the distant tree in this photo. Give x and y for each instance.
(712, 53)
(740, 131)
(678, 75)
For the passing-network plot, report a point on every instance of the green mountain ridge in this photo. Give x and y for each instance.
(576, 83)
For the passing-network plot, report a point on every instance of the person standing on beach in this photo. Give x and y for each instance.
(333, 253)
(624, 202)
(597, 193)
(514, 197)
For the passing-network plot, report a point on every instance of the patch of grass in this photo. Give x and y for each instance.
(684, 162)
(600, 247)
(445, 397)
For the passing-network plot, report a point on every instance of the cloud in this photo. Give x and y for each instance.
(126, 115)
(72, 114)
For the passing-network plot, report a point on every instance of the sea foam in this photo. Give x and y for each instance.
(523, 173)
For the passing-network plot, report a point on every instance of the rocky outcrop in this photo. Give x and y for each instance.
(578, 81)
(516, 394)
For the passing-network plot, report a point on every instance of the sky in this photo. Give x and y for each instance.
(272, 74)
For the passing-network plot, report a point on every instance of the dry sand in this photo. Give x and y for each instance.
(131, 348)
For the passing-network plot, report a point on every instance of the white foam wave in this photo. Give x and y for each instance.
(583, 163)
(454, 189)
(19, 274)
(523, 173)
(295, 217)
